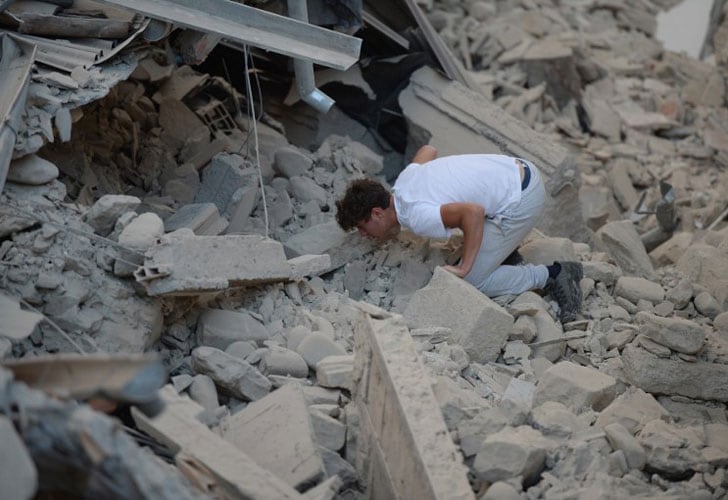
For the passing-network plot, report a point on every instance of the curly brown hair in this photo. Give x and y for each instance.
(361, 196)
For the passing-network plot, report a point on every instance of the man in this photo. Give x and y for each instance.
(495, 200)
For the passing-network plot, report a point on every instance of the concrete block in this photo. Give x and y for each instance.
(578, 387)
(219, 328)
(478, 324)
(277, 433)
(402, 434)
(457, 120)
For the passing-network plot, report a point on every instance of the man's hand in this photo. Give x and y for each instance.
(456, 270)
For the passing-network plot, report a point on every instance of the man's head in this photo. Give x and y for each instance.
(367, 206)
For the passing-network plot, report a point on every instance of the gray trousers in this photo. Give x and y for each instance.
(501, 235)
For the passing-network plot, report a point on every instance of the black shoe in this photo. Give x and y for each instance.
(566, 290)
(514, 259)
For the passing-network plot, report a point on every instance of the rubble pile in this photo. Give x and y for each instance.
(160, 218)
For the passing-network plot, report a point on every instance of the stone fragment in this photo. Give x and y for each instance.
(671, 450)
(632, 409)
(621, 184)
(309, 265)
(281, 361)
(203, 391)
(234, 375)
(328, 238)
(634, 289)
(698, 380)
(547, 250)
(478, 324)
(305, 189)
(510, 453)
(199, 217)
(707, 266)
(602, 271)
(670, 251)
(706, 305)
(678, 334)
(317, 346)
(222, 178)
(554, 419)
(626, 248)
(578, 387)
(621, 439)
(103, 214)
(241, 348)
(329, 432)
(681, 294)
(335, 371)
(551, 62)
(220, 328)
(500, 490)
(277, 433)
(290, 162)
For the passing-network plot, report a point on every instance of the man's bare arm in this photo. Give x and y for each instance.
(424, 154)
(469, 218)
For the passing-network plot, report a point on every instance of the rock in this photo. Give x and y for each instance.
(632, 409)
(707, 266)
(554, 419)
(32, 170)
(681, 294)
(549, 61)
(500, 490)
(305, 189)
(671, 450)
(329, 432)
(706, 305)
(291, 162)
(602, 271)
(138, 236)
(547, 250)
(241, 348)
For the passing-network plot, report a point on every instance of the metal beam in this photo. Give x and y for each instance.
(256, 27)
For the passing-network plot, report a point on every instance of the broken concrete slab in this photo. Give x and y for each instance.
(456, 120)
(185, 264)
(236, 474)
(478, 324)
(277, 433)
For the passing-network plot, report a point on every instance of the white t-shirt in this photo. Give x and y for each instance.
(492, 181)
